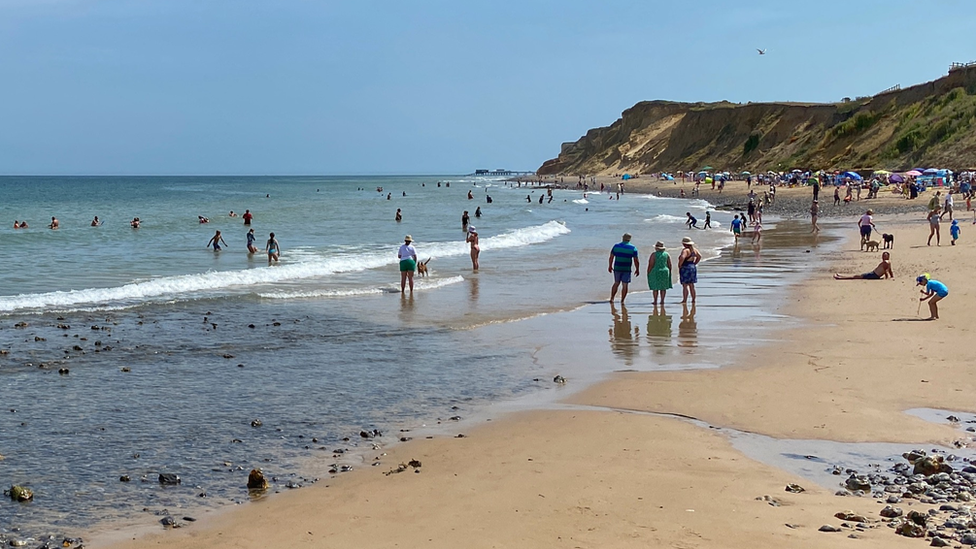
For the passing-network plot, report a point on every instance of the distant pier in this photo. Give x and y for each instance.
(500, 172)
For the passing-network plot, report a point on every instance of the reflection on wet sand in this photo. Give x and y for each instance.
(473, 289)
(659, 330)
(688, 327)
(623, 336)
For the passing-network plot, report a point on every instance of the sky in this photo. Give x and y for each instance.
(220, 87)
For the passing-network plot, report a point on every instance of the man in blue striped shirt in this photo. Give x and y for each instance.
(623, 256)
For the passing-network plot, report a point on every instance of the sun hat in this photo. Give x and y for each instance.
(408, 238)
(471, 229)
(870, 212)
(955, 221)
(627, 237)
(922, 279)
(687, 241)
(659, 245)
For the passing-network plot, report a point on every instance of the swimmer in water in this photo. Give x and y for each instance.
(95, 222)
(215, 241)
(54, 223)
(399, 216)
(135, 223)
(273, 248)
(465, 219)
(475, 248)
(251, 248)
(232, 214)
(202, 219)
(477, 212)
(23, 225)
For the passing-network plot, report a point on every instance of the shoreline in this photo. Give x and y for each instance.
(397, 450)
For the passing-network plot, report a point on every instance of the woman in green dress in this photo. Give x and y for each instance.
(659, 271)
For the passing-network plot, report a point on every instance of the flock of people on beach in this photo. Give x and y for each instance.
(624, 259)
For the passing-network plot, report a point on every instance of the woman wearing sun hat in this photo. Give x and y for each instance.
(688, 269)
(659, 271)
(472, 239)
(408, 262)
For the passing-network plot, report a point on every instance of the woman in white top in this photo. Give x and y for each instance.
(408, 262)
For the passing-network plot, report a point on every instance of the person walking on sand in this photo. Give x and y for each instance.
(688, 269)
(954, 231)
(934, 292)
(947, 205)
(251, 248)
(472, 239)
(814, 213)
(623, 256)
(659, 272)
(883, 270)
(865, 225)
(836, 195)
(934, 228)
(408, 262)
(273, 249)
(215, 241)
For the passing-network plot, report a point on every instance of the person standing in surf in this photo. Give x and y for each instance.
(472, 239)
(216, 241)
(688, 269)
(273, 248)
(408, 262)
(623, 256)
(659, 272)
(251, 248)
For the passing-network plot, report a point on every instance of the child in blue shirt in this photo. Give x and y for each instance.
(954, 231)
(934, 292)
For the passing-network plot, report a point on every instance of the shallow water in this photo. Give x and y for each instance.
(333, 349)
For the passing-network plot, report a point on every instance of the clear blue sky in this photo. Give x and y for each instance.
(417, 86)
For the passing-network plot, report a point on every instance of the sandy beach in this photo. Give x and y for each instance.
(603, 474)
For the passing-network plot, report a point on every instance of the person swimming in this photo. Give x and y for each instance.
(135, 223)
(202, 219)
(95, 222)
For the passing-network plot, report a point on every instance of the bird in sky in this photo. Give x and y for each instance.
(761, 52)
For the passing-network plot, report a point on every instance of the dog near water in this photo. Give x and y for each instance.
(422, 267)
(889, 241)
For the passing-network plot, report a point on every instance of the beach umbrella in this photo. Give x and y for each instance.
(745, 173)
(853, 175)
(913, 173)
(931, 170)
(882, 172)
(895, 178)
(706, 168)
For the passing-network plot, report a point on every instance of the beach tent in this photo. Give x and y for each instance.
(668, 177)
(745, 173)
(626, 176)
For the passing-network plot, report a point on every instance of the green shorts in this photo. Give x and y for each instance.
(408, 265)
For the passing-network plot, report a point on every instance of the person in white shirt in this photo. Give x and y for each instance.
(408, 263)
(948, 205)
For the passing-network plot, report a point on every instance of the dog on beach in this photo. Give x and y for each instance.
(889, 241)
(872, 245)
(422, 267)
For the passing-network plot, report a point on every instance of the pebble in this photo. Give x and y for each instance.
(828, 528)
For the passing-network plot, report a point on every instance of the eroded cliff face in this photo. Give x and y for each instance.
(930, 124)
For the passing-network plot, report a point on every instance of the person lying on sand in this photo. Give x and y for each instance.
(883, 270)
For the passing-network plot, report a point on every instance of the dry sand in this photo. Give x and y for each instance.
(574, 478)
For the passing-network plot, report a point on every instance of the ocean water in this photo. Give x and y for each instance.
(173, 350)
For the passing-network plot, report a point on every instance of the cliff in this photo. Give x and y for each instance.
(930, 124)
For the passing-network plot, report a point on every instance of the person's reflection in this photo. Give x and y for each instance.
(659, 330)
(736, 250)
(687, 328)
(473, 289)
(406, 307)
(622, 341)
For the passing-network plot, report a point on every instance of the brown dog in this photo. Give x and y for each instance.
(872, 245)
(422, 267)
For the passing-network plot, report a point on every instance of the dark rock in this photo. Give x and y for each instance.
(952, 419)
(20, 493)
(168, 522)
(910, 530)
(126, 369)
(968, 539)
(414, 463)
(124, 478)
(931, 465)
(828, 528)
(891, 512)
(228, 356)
(559, 379)
(256, 423)
(939, 542)
(256, 480)
(794, 488)
(851, 516)
(855, 483)
(169, 479)
(63, 371)
(918, 517)
(189, 519)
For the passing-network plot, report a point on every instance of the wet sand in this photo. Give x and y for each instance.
(607, 476)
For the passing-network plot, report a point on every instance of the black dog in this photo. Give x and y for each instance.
(889, 241)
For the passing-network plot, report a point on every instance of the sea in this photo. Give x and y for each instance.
(129, 352)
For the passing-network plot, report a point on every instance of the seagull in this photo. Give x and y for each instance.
(761, 52)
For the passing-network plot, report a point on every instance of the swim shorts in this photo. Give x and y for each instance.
(621, 276)
(408, 265)
(870, 276)
(216, 247)
(866, 230)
